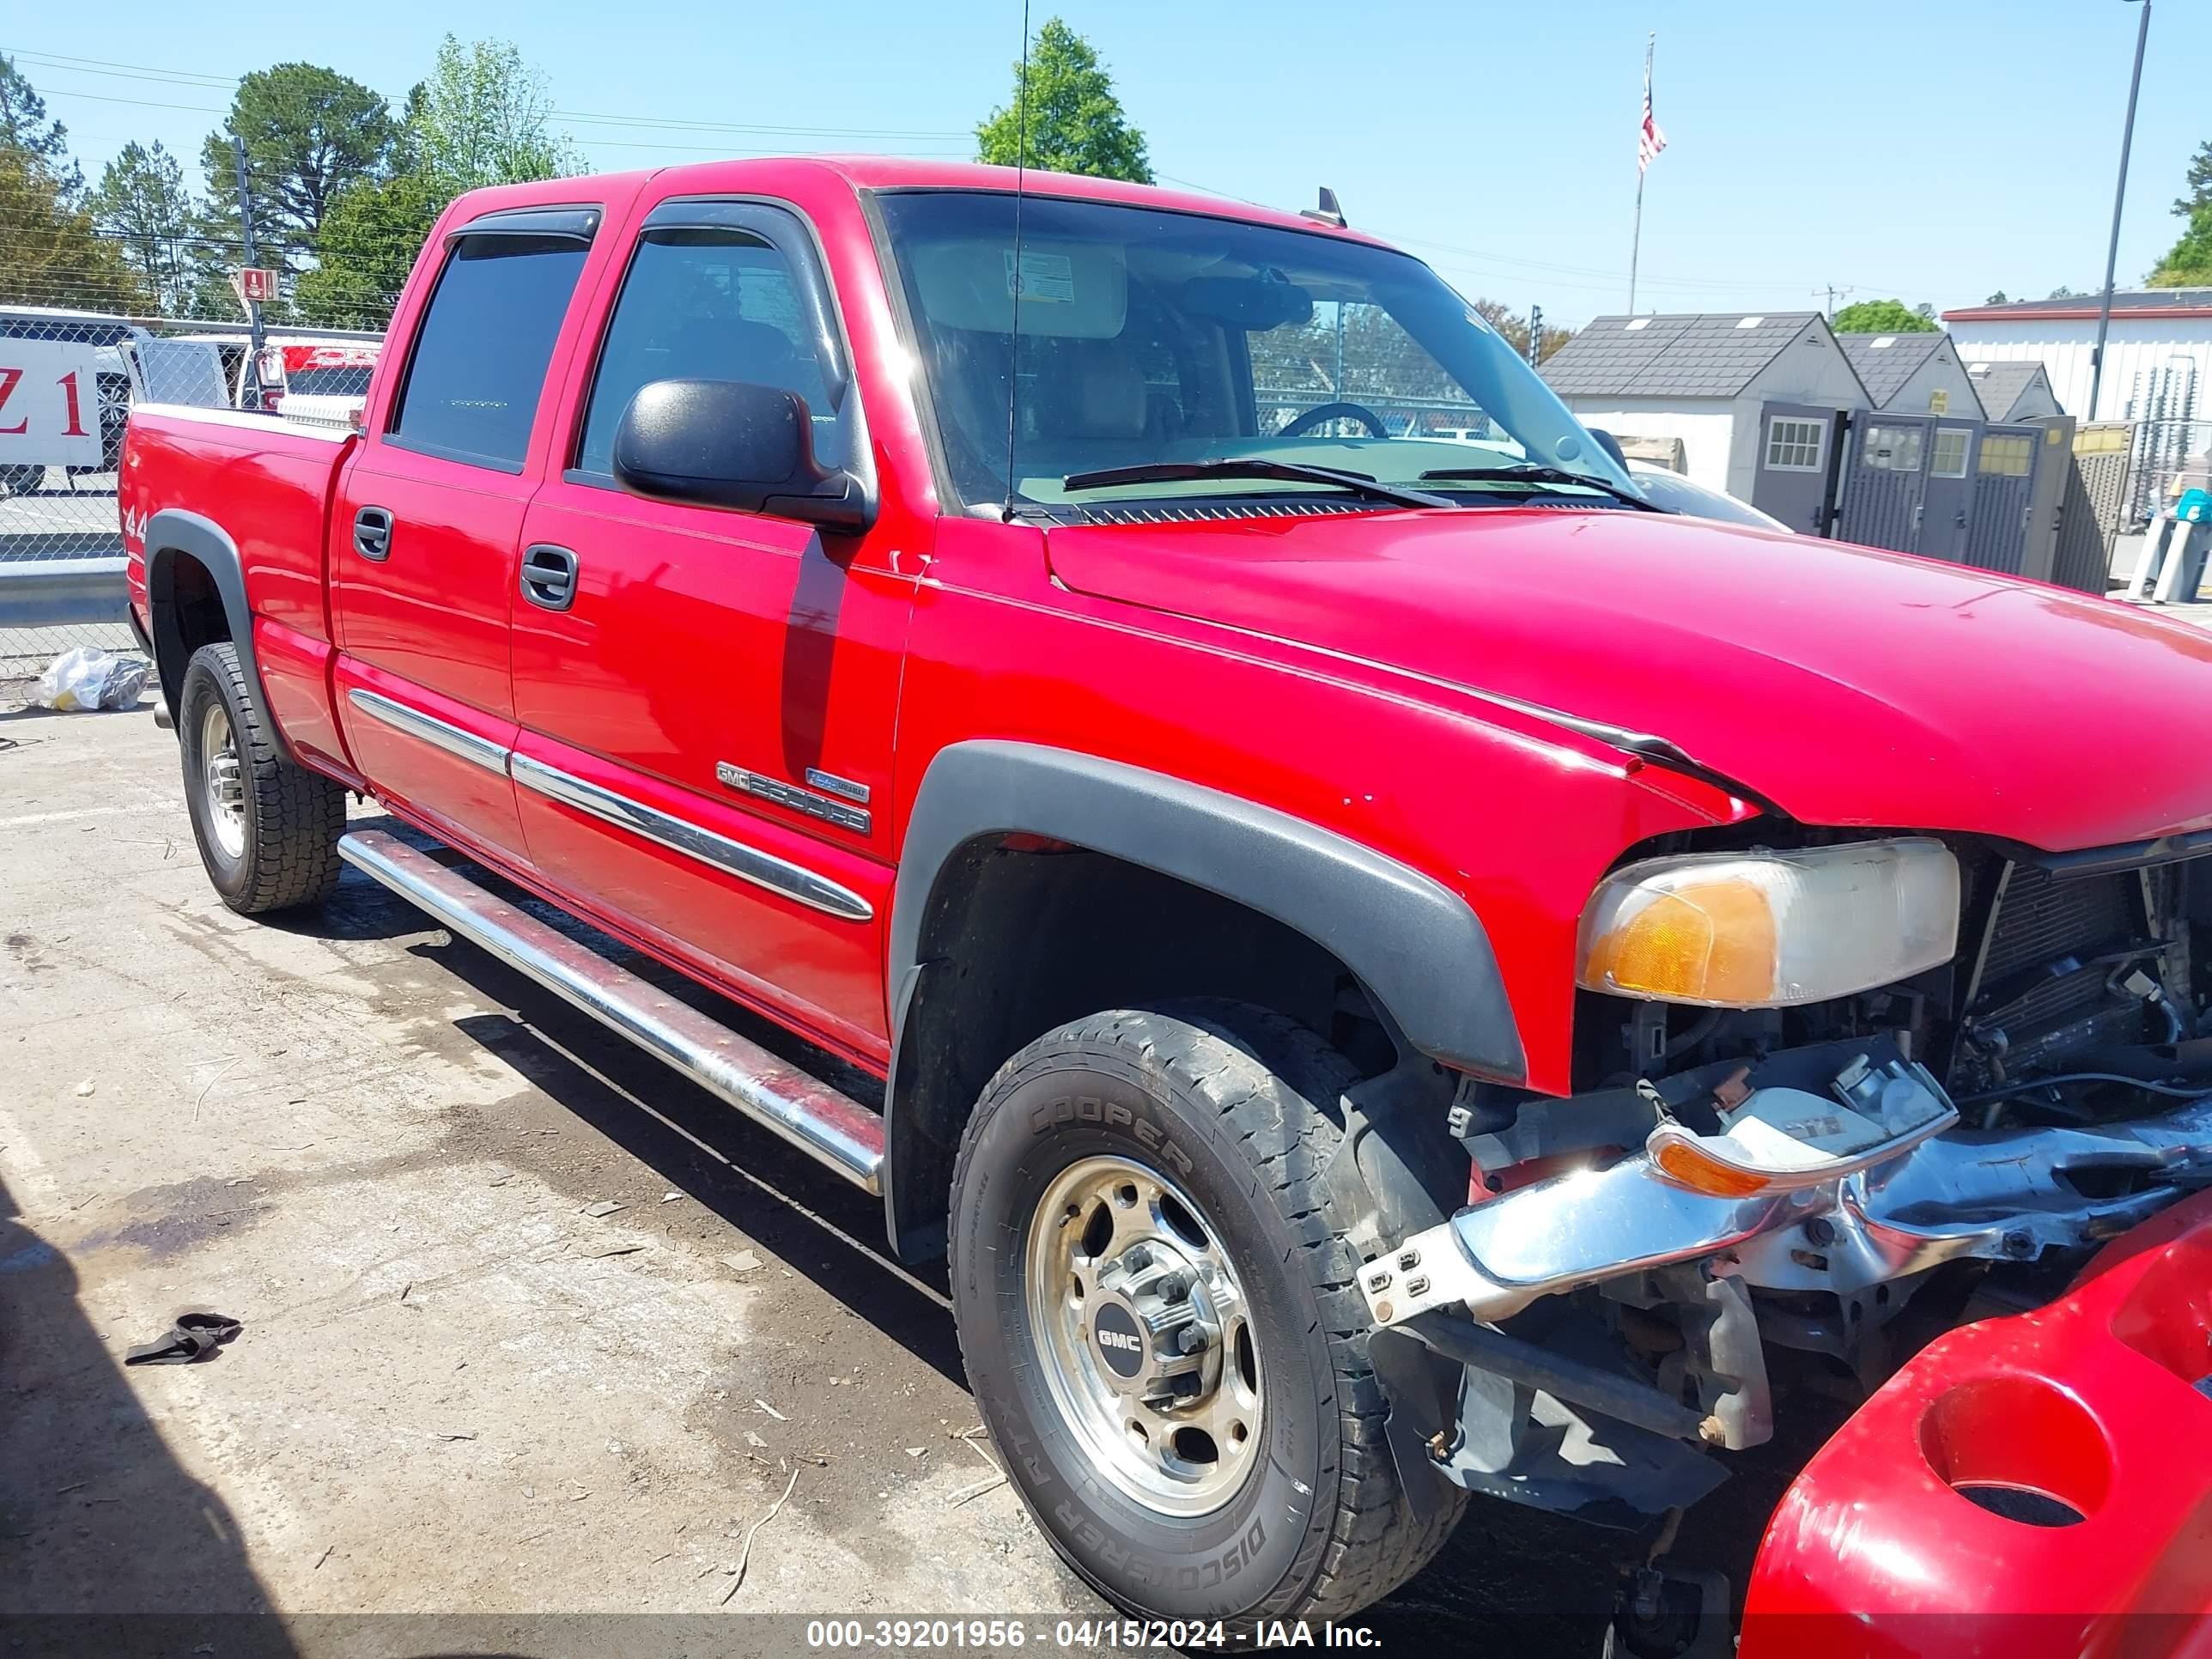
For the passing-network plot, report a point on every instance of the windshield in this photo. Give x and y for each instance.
(1149, 336)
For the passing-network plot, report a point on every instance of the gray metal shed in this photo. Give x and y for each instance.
(2013, 390)
(1916, 374)
(1756, 399)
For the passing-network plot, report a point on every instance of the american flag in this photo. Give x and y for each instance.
(1649, 141)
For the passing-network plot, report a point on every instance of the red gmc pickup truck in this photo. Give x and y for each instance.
(1397, 969)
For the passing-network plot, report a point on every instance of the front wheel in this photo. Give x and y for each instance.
(1159, 1313)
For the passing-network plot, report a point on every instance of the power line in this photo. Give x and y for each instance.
(140, 72)
(146, 70)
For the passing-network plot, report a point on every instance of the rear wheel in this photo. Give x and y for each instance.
(267, 829)
(1159, 1313)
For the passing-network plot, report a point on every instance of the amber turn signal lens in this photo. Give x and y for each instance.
(1687, 1164)
(1712, 941)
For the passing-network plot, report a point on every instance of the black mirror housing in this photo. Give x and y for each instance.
(1611, 445)
(729, 443)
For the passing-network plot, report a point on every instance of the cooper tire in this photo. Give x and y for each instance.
(268, 830)
(1238, 1110)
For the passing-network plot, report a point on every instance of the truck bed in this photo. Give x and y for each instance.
(267, 482)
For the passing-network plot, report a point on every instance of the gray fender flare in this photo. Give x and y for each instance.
(174, 530)
(1415, 944)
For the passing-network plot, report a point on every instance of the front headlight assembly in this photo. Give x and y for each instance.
(1771, 929)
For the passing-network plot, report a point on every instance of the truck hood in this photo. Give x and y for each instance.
(1847, 686)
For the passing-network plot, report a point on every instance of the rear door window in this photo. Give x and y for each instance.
(478, 367)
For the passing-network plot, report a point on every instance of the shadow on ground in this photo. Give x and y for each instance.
(96, 1515)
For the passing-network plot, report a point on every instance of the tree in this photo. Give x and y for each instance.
(483, 117)
(24, 126)
(54, 256)
(2188, 263)
(2200, 183)
(1999, 298)
(370, 244)
(1075, 122)
(2062, 291)
(1513, 328)
(309, 133)
(1881, 316)
(142, 202)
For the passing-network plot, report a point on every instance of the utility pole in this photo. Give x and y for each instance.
(2119, 195)
(1831, 290)
(1535, 335)
(250, 389)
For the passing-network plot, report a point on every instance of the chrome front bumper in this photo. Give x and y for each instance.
(2002, 1194)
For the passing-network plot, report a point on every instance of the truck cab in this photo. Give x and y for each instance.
(1395, 968)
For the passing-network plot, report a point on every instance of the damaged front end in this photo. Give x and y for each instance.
(1601, 1318)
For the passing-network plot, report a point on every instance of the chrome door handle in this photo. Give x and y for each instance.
(372, 534)
(548, 576)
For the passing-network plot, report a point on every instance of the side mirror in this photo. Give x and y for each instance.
(728, 443)
(1611, 445)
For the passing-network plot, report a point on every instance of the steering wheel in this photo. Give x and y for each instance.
(1321, 414)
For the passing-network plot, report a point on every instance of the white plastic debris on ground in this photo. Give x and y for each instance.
(85, 677)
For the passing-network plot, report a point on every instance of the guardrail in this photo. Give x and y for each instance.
(49, 592)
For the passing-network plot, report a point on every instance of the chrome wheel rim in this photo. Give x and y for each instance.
(1144, 1336)
(222, 781)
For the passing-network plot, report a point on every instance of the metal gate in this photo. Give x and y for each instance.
(2095, 500)
(2004, 483)
(1884, 479)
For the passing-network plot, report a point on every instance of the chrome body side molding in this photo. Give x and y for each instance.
(805, 1111)
(734, 858)
(439, 734)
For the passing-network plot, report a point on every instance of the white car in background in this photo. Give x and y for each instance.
(1668, 489)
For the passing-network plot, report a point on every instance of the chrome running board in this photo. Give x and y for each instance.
(805, 1111)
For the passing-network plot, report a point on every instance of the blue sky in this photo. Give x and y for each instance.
(1926, 151)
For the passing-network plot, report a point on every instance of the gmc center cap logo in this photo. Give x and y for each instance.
(1119, 1343)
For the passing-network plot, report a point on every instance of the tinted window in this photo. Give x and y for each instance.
(710, 305)
(480, 355)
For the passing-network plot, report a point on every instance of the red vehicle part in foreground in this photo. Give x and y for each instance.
(2090, 1421)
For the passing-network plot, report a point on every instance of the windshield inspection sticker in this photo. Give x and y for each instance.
(1047, 278)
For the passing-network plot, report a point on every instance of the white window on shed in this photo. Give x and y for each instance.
(1950, 458)
(1794, 445)
(2007, 455)
(1894, 448)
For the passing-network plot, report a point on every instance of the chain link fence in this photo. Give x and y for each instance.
(2160, 461)
(68, 382)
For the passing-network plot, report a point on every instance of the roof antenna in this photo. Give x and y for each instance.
(1328, 212)
(1014, 276)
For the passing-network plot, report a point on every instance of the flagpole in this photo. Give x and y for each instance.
(1635, 240)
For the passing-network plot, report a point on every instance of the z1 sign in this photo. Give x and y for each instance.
(49, 403)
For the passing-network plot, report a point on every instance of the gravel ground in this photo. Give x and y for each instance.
(466, 1390)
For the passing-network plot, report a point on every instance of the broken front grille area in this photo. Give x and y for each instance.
(2057, 955)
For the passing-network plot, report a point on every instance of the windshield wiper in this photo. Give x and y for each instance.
(1531, 472)
(1253, 466)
